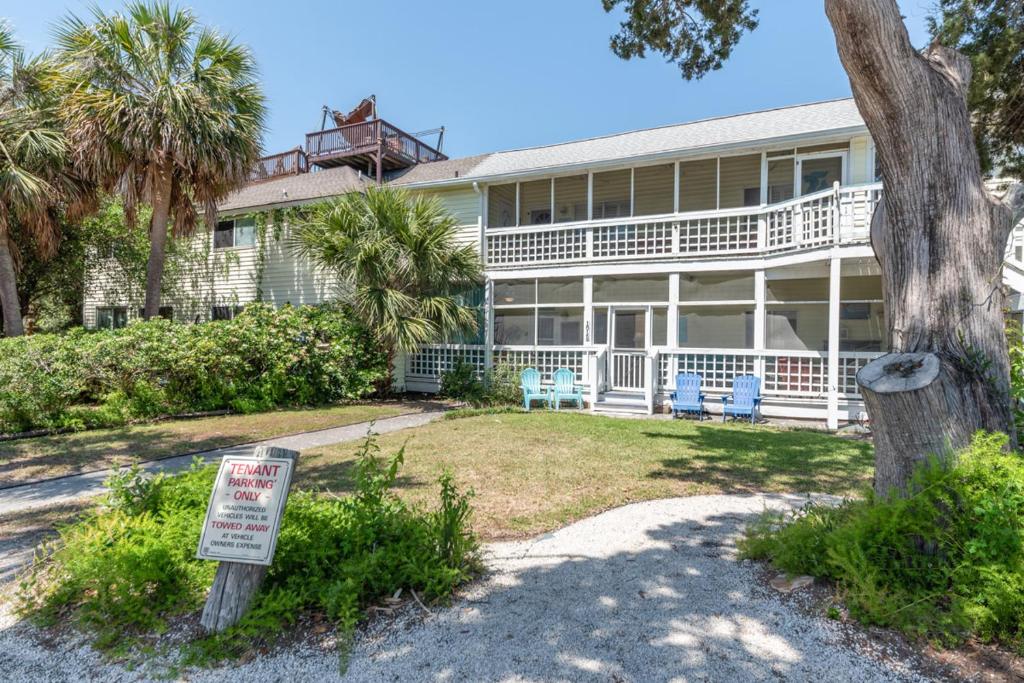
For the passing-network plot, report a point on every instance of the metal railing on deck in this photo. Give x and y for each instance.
(292, 162)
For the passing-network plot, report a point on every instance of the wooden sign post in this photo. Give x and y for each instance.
(241, 527)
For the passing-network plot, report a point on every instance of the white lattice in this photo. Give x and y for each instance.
(430, 362)
(817, 221)
(636, 239)
(848, 368)
(542, 246)
(717, 370)
(717, 234)
(545, 361)
(796, 375)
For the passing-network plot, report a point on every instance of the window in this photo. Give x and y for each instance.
(514, 326)
(546, 312)
(238, 232)
(559, 326)
(612, 194)
(165, 312)
(739, 181)
(653, 188)
(224, 312)
(716, 327)
(571, 199)
(698, 185)
(798, 289)
(801, 327)
(717, 287)
(501, 206)
(515, 292)
(631, 290)
(780, 180)
(560, 291)
(535, 202)
(111, 317)
(820, 173)
(861, 315)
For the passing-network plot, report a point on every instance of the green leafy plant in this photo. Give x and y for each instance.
(944, 563)
(462, 383)
(127, 569)
(261, 359)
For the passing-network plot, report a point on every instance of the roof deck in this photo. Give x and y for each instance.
(375, 143)
(292, 162)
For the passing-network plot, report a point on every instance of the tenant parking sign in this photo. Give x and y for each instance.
(245, 509)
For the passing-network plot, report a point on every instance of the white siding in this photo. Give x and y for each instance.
(861, 170)
(464, 204)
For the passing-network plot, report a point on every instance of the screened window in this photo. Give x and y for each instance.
(559, 326)
(718, 327)
(560, 291)
(238, 232)
(659, 326)
(861, 314)
(739, 181)
(501, 206)
(111, 317)
(571, 199)
(515, 292)
(535, 202)
(652, 189)
(698, 185)
(780, 180)
(802, 327)
(798, 289)
(629, 290)
(612, 194)
(717, 287)
(514, 326)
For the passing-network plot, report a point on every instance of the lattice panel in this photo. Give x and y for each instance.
(546, 362)
(796, 375)
(433, 361)
(537, 247)
(818, 221)
(848, 369)
(717, 370)
(717, 234)
(780, 228)
(640, 239)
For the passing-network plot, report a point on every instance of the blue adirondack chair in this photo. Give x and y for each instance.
(565, 388)
(687, 398)
(529, 382)
(745, 398)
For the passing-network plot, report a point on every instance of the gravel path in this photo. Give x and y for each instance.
(646, 592)
(66, 489)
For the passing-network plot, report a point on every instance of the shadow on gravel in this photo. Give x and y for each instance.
(621, 597)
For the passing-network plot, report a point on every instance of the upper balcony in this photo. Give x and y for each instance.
(366, 144)
(839, 215)
(292, 162)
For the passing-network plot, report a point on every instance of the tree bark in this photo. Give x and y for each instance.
(161, 200)
(939, 238)
(13, 325)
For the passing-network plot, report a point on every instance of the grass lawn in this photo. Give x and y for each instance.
(539, 471)
(40, 458)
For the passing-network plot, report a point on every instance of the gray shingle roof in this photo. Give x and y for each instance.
(439, 170)
(820, 117)
(330, 182)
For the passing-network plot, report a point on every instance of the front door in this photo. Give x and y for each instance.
(630, 337)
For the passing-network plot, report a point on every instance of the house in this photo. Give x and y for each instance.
(726, 246)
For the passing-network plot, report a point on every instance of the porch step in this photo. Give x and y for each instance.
(620, 402)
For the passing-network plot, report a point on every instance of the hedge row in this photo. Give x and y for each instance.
(263, 358)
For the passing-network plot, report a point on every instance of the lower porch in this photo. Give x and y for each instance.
(794, 384)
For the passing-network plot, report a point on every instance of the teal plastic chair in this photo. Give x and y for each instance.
(565, 388)
(529, 382)
(687, 397)
(745, 398)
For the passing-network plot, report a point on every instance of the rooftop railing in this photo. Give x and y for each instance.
(292, 162)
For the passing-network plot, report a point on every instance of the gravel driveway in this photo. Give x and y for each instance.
(646, 592)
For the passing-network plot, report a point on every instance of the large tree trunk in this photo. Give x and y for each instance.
(940, 239)
(161, 200)
(13, 326)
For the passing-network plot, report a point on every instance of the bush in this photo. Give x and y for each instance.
(944, 563)
(263, 358)
(130, 566)
(499, 387)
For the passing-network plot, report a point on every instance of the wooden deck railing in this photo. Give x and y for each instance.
(292, 162)
(361, 138)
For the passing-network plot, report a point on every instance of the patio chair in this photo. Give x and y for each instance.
(565, 388)
(687, 398)
(529, 382)
(745, 398)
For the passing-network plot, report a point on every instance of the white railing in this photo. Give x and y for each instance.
(628, 370)
(833, 216)
(790, 374)
(598, 373)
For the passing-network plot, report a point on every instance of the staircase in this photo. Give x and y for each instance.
(620, 403)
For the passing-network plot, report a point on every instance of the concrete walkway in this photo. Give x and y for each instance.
(67, 489)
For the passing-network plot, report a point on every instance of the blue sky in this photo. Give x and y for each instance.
(498, 75)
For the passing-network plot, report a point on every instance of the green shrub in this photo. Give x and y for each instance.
(499, 386)
(125, 570)
(263, 358)
(462, 384)
(944, 563)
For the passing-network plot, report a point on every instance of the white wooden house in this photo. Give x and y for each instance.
(727, 246)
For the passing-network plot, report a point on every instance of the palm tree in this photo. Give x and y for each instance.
(159, 110)
(398, 264)
(37, 184)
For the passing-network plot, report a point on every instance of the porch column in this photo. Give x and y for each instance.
(588, 334)
(760, 319)
(488, 326)
(834, 281)
(672, 338)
